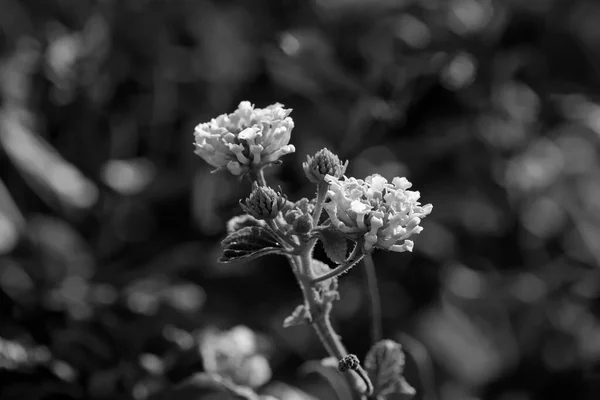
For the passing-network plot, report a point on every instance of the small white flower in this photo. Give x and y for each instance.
(245, 139)
(383, 214)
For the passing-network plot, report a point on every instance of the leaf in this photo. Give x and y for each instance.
(335, 244)
(241, 221)
(320, 268)
(205, 385)
(418, 352)
(249, 243)
(327, 369)
(280, 390)
(385, 365)
(300, 316)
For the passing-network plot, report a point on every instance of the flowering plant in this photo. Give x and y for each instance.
(370, 214)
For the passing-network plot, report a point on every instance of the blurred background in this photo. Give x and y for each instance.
(110, 225)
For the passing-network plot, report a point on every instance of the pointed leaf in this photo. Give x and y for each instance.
(249, 243)
(335, 244)
(385, 365)
(300, 316)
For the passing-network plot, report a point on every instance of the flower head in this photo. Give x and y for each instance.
(382, 214)
(245, 139)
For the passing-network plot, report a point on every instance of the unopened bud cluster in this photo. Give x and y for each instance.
(350, 362)
(303, 224)
(264, 203)
(323, 163)
(298, 216)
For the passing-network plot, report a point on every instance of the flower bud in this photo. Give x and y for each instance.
(264, 203)
(350, 362)
(323, 163)
(303, 224)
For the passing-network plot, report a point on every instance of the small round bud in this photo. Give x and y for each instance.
(324, 162)
(291, 216)
(303, 224)
(347, 363)
(264, 203)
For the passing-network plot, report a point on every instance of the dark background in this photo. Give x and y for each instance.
(110, 225)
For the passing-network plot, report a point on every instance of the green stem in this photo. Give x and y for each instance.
(373, 297)
(355, 257)
(258, 176)
(365, 377)
(282, 239)
(320, 312)
(321, 193)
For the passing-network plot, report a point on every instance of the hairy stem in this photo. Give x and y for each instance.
(258, 176)
(373, 298)
(365, 377)
(355, 257)
(321, 193)
(320, 321)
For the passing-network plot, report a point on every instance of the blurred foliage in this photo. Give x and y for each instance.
(109, 225)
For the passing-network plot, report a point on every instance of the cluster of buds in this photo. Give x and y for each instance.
(264, 203)
(350, 362)
(323, 163)
(299, 217)
(249, 138)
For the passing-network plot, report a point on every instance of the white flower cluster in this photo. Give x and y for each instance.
(245, 139)
(383, 214)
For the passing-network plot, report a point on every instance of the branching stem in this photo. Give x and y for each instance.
(355, 257)
(321, 193)
(320, 313)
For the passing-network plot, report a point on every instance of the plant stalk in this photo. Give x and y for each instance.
(320, 320)
(373, 298)
(321, 193)
(258, 176)
(355, 257)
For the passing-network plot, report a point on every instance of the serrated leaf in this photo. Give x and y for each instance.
(300, 316)
(335, 244)
(327, 369)
(385, 365)
(320, 268)
(247, 244)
